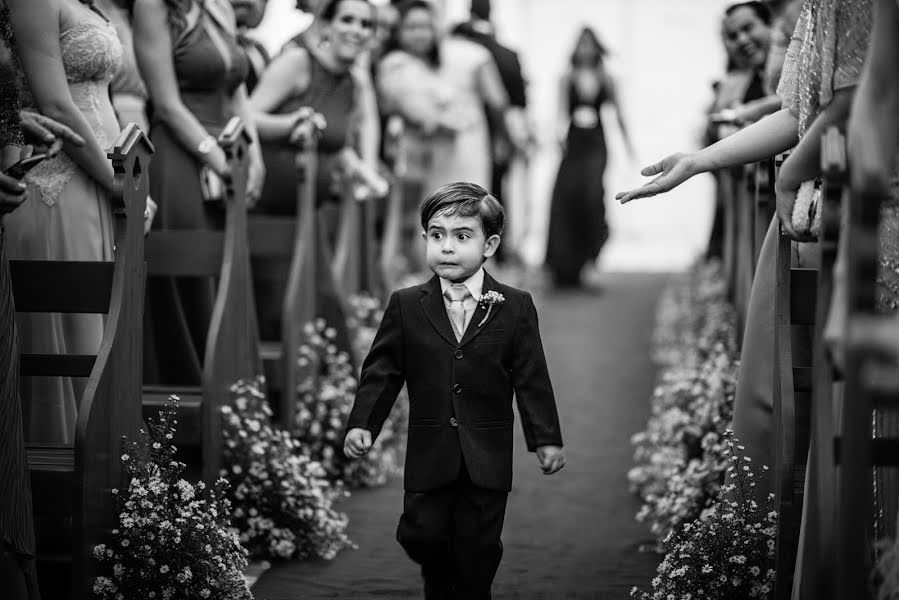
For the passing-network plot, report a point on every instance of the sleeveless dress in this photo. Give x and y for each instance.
(178, 311)
(331, 93)
(67, 217)
(16, 518)
(577, 221)
(129, 93)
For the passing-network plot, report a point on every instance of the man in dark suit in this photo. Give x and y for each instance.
(463, 343)
(504, 143)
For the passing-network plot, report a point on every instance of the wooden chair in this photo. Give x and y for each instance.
(817, 564)
(795, 306)
(71, 484)
(871, 384)
(273, 241)
(232, 344)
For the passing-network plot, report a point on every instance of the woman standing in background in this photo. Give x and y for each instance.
(577, 226)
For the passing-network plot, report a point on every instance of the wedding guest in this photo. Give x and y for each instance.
(577, 225)
(817, 85)
(69, 54)
(297, 80)
(440, 87)
(480, 30)
(249, 14)
(458, 470)
(193, 66)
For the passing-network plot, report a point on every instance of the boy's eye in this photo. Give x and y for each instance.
(436, 235)
(463, 236)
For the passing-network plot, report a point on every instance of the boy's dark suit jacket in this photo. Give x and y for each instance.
(460, 393)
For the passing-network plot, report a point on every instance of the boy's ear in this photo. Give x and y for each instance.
(491, 246)
(424, 234)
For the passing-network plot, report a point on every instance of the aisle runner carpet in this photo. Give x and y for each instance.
(571, 535)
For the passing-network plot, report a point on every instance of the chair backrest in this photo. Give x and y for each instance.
(817, 568)
(110, 406)
(232, 342)
(794, 304)
(294, 239)
(858, 451)
(391, 239)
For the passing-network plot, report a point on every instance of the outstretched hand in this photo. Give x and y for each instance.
(551, 459)
(672, 171)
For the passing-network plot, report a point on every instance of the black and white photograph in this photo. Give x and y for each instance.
(449, 299)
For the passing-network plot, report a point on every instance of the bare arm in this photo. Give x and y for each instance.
(772, 135)
(619, 114)
(36, 25)
(286, 76)
(153, 48)
(873, 131)
(369, 118)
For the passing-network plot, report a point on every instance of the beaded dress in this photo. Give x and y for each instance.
(67, 217)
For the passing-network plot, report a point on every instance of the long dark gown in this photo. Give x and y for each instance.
(178, 311)
(577, 226)
(332, 94)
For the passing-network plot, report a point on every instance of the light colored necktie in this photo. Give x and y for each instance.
(457, 293)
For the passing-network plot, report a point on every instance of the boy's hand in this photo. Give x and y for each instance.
(357, 442)
(551, 458)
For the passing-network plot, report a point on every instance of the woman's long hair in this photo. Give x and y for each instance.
(599, 49)
(404, 8)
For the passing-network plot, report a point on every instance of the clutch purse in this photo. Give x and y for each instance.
(212, 186)
(806, 211)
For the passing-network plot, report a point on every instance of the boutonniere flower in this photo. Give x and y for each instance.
(487, 301)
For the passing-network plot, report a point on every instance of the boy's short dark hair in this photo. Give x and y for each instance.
(466, 200)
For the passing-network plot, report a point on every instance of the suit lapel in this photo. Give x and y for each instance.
(474, 327)
(435, 310)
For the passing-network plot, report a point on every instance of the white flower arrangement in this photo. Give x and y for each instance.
(174, 539)
(323, 406)
(729, 551)
(283, 502)
(680, 457)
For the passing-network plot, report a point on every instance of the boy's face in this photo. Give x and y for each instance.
(457, 246)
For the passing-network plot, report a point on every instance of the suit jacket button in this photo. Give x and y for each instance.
(454, 422)
(459, 354)
(457, 389)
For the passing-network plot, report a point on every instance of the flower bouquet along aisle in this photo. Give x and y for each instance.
(726, 554)
(283, 503)
(323, 406)
(174, 540)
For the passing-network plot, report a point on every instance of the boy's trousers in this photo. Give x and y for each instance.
(453, 532)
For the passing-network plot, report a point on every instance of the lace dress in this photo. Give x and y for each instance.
(67, 217)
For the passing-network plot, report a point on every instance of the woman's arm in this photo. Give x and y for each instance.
(36, 25)
(772, 135)
(873, 131)
(256, 175)
(612, 91)
(286, 76)
(153, 49)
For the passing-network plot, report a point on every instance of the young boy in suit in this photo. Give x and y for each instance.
(464, 344)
